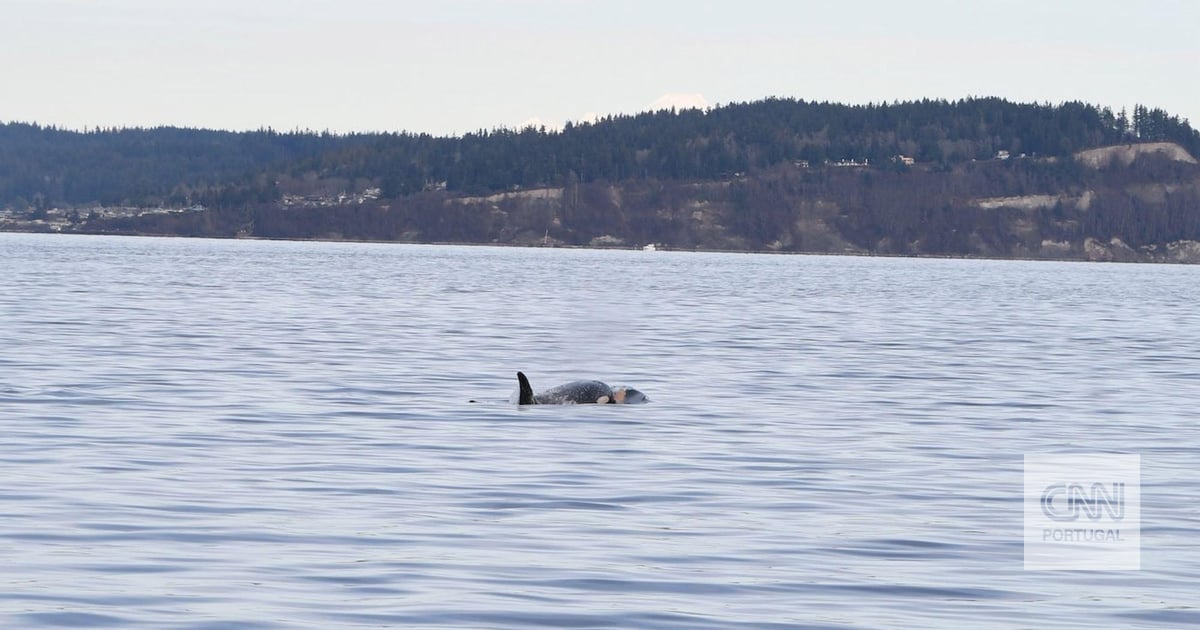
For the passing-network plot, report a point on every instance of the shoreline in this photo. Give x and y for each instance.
(659, 248)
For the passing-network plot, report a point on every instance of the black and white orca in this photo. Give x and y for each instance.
(578, 393)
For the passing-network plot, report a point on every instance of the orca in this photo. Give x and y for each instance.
(578, 393)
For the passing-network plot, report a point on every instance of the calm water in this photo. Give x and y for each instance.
(210, 434)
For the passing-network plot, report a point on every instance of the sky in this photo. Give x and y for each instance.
(448, 67)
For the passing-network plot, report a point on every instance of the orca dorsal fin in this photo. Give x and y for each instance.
(526, 397)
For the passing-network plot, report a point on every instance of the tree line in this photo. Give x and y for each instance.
(45, 166)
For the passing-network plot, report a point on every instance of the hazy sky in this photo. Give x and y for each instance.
(450, 66)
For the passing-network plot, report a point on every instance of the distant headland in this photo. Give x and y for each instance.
(974, 177)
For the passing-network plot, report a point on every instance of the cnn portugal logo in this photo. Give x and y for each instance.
(1067, 502)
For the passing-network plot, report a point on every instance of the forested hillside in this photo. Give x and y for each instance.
(976, 176)
(45, 166)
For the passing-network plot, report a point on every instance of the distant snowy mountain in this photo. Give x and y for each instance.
(679, 100)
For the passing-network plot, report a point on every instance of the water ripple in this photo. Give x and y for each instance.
(209, 434)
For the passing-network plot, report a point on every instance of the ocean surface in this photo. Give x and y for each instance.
(215, 434)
